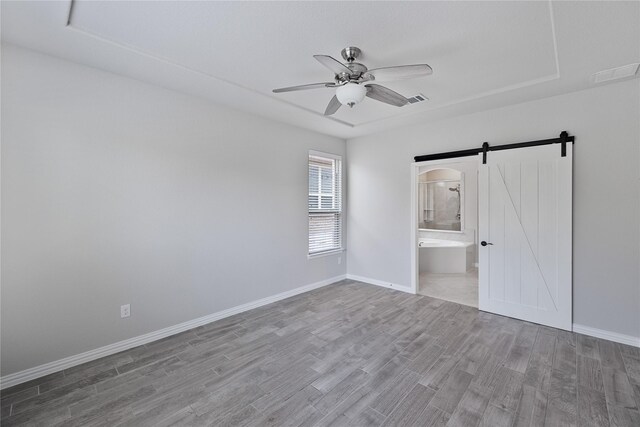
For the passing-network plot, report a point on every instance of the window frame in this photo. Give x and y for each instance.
(339, 210)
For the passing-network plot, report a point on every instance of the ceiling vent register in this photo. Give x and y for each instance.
(417, 98)
(616, 73)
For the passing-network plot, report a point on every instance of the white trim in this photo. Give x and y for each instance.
(325, 154)
(415, 232)
(579, 329)
(442, 231)
(325, 253)
(68, 362)
(607, 335)
(447, 161)
(380, 283)
(340, 177)
(415, 169)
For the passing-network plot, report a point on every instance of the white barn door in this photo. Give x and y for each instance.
(525, 208)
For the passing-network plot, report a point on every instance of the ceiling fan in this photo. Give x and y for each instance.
(352, 81)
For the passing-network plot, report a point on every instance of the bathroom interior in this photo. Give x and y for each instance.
(447, 229)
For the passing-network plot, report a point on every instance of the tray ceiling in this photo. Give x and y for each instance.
(484, 54)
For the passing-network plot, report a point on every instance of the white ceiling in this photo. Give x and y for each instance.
(484, 54)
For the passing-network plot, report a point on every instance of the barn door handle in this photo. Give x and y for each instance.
(483, 243)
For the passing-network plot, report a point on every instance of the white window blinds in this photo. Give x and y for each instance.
(325, 203)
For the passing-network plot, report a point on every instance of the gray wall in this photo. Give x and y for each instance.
(606, 249)
(116, 192)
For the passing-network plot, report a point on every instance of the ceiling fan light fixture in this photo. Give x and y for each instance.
(351, 94)
(353, 81)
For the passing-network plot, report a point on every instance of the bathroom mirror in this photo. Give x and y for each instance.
(441, 200)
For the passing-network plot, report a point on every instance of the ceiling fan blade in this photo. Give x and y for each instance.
(333, 106)
(333, 64)
(401, 72)
(304, 87)
(386, 95)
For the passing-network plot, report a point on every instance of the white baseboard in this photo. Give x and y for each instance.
(379, 283)
(580, 329)
(607, 335)
(68, 362)
(107, 350)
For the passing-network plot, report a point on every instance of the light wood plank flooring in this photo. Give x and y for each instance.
(347, 354)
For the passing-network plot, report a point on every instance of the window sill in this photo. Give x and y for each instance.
(323, 254)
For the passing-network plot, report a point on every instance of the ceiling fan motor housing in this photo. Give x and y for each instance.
(350, 53)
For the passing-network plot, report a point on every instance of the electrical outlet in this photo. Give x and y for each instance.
(339, 260)
(125, 311)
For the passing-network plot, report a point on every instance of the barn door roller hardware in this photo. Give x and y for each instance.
(563, 139)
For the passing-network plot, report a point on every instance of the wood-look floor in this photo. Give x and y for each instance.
(347, 354)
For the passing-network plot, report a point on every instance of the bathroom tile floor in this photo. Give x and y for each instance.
(461, 288)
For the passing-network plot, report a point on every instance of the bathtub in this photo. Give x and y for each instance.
(445, 256)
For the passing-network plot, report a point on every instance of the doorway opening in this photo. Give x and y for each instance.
(523, 224)
(446, 229)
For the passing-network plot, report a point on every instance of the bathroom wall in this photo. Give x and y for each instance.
(438, 174)
(470, 205)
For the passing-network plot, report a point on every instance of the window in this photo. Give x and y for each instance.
(325, 203)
